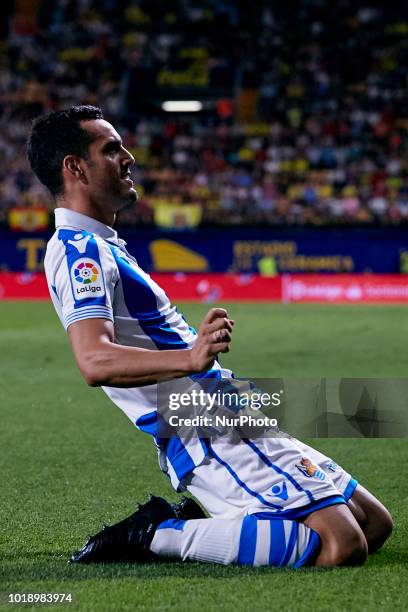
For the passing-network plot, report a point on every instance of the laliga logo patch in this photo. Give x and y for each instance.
(309, 469)
(87, 279)
(86, 273)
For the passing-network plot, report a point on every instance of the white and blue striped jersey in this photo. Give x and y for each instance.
(90, 274)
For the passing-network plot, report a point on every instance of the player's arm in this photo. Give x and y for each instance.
(102, 362)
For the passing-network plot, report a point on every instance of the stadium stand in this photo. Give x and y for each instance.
(311, 133)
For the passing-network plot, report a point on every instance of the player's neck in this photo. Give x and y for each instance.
(85, 207)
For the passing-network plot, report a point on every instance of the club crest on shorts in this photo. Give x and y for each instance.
(310, 470)
(87, 281)
(332, 466)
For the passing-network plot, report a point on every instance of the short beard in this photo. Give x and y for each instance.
(130, 199)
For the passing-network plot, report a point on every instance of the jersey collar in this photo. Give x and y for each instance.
(64, 217)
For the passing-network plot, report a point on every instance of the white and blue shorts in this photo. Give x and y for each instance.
(278, 476)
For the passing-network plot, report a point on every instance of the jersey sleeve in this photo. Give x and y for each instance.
(85, 279)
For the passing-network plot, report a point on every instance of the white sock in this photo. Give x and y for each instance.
(245, 541)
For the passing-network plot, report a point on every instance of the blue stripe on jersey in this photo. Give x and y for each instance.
(73, 254)
(94, 311)
(277, 546)
(148, 423)
(349, 490)
(277, 469)
(247, 541)
(210, 374)
(204, 444)
(179, 458)
(291, 544)
(239, 481)
(211, 379)
(141, 303)
(176, 452)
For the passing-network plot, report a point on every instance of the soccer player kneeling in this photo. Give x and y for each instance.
(274, 502)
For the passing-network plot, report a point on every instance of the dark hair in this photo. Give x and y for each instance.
(53, 137)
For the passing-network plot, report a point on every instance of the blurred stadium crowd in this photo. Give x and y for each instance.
(304, 115)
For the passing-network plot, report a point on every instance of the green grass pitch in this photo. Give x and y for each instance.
(70, 460)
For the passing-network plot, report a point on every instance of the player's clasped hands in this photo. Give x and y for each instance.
(214, 336)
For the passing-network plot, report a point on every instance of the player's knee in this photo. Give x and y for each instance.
(381, 530)
(377, 523)
(350, 550)
(387, 524)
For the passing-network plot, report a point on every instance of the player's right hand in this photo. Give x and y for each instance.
(214, 336)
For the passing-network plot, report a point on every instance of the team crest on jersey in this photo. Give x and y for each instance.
(310, 470)
(87, 281)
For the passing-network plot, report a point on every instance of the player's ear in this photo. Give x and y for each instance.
(72, 165)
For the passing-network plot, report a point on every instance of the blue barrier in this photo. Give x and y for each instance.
(239, 250)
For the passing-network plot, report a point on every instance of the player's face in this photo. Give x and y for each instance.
(108, 167)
